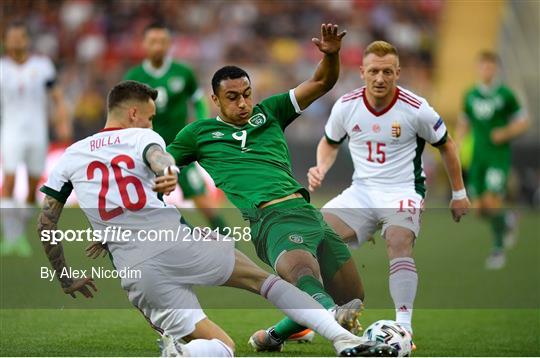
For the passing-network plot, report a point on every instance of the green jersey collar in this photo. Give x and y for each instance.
(230, 124)
(157, 72)
(488, 90)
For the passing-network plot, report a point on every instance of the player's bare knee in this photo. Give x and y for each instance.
(399, 242)
(8, 186)
(296, 264)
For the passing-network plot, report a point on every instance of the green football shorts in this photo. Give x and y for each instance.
(296, 225)
(191, 181)
(487, 177)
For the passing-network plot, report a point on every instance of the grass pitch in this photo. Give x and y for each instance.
(461, 309)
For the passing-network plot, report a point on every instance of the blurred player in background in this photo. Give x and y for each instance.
(128, 151)
(245, 151)
(387, 127)
(177, 87)
(495, 116)
(27, 81)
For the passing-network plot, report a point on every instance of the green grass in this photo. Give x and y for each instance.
(461, 309)
(124, 332)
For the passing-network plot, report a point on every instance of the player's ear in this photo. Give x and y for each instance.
(215, 99)
(362, 72)
(132, 114)
(398, 72)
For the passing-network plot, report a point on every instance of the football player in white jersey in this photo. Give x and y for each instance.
(26, 83)
(114, 176)
(387, 127)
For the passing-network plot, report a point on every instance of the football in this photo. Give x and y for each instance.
(389, 332)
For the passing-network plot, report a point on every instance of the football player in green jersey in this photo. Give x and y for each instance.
(244, 150)
(177, 87)
(495, 116)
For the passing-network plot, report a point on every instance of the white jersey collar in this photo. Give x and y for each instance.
(157, 72)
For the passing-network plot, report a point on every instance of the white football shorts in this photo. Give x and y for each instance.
(21, 148)
(164, 292)
(366, 209)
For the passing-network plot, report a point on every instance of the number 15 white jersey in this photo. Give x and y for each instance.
(386, 146)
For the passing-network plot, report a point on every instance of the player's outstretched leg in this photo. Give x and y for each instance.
(207, 340)
(302, 308)
(492, 206)
(403, 278)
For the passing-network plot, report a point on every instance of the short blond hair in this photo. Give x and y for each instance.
(381, 48)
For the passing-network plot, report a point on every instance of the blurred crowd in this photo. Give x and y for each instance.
(93, 43)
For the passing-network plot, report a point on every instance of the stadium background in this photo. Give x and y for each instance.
(94, 42)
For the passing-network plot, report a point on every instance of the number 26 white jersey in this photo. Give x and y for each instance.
(108, 172)
(386, 146)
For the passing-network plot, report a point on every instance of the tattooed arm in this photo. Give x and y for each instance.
(48, 220)
(162, 164)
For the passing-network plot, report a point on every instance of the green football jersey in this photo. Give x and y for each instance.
(176, 86)
(487, 109)
(250, 163)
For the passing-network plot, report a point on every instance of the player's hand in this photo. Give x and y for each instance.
(166, 183)
(498, 136)
(315, 177)
(94, 250)
(330, 41)
(459, 208)
(81, 285)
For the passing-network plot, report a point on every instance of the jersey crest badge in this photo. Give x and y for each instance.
(297, 239)
(396, 130)
(257, 120)
(356, 128)
(217, 135)
(176, 84)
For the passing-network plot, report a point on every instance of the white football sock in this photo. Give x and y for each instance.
(207, 348)
(403, 282)
(12, 227)
(303, 309)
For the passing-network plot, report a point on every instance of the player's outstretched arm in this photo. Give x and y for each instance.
(326, 156)
(162, 164)
(460, 203)
(327, 71)
(48, 221)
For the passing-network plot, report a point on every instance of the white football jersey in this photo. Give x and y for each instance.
(114, 187)
(386, 146)
(23, 95)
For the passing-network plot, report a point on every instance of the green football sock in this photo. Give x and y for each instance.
(498, 225)
(313, 287)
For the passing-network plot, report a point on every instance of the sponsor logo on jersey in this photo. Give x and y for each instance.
(176, 84)
(356, 128)
(396, 130)
(257, 120)
(297, 239)
(438, 124)
(217, 135)
(376, 128)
